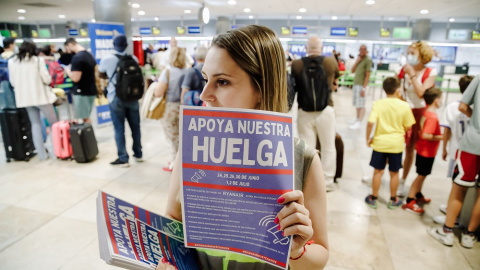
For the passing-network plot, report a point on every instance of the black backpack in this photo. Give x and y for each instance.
(312, 85)
(130, 84)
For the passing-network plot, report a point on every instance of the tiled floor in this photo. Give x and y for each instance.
(47, 209)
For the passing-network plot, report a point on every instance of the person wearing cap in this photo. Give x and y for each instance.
(121, 110)
(82, 73)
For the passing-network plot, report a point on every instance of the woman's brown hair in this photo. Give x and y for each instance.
(258, 51)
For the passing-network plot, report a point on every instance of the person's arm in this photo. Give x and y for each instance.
(162, 85)
(305, 217)
(44, 74)
(174, 208)
(369, 132)
(431, 137)
(447, 134)
(465, 109)
(359, 59)
(184, 90)
(419, 87)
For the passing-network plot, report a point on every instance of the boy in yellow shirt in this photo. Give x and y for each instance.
(393, 118)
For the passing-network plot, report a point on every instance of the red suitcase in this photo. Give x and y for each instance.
(61, 140)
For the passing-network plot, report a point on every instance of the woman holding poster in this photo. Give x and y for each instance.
(246, 68)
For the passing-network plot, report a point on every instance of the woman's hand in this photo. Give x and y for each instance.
(294, 219)
(165, 265)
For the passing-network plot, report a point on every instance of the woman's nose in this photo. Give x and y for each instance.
(207, 93)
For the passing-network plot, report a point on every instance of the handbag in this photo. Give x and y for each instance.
(158, 105)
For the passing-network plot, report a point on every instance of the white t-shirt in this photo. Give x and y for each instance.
(456, 121)
(412, 98)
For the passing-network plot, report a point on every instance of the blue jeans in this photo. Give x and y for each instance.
(129, 110)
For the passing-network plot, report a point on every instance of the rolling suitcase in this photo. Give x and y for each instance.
(17, 134)
(84, 143)
(61, 140)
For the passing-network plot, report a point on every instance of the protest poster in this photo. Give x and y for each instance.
(236, 163)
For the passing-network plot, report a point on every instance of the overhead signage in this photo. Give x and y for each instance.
(194, 30)
(458, 34)
(384, 32)
(83, 33)
(145, 31)
(476, 35)
(285, 31)
(444, 54)
(34, 34)
(14, 34)
(180, 30)
(101, 35)
(402, 32)
(297, 49)
(353, 31)
(44, 33)
(236, 26)
(338, 31)
(5, 33)
(73, 32)
(299, 30)
(155, 31)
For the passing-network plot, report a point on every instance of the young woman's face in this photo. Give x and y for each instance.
(227, 85)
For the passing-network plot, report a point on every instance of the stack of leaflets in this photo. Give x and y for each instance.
(133, 238)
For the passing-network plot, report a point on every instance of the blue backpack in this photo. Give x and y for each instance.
(7, 96)
(192, 97)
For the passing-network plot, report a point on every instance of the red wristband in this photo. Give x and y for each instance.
(304, 249)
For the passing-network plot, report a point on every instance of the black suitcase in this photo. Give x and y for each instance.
(17, 134)
(84, 143)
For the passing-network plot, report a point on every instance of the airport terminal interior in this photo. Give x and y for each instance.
(48, 208)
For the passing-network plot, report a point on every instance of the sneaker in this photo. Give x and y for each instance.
(401, 188)
(371, 202)
(119, 163)
(443, 208)
(413, 208)
(138, 159)
(441, 220)
(367, 180)
(468, 240)
(351, 122)
(356, 125)
(169, 167)
(331, 187)
(423, 200)
(394, 204)
(443, 237)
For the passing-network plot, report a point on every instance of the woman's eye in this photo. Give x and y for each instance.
(222, 82)
(205, 80)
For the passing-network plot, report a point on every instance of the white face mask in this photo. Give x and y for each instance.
(412, 60)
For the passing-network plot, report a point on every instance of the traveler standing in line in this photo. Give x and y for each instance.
(467, 171)
(361, 68)
(9, 48)
(82, 73)
(165, 60)
(121, 110)
(417, 79)
(193, 78)
(316, 116)
(30, 78)
(170, 81)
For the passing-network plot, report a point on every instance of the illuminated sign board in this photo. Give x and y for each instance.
(180, 30)
(73, 32)
(299, 30)
(285, 30)
(194, 30)
(384, 32)
(156, 31)
(338, 31)
(402, 32)
(458, 34)
(353, 31)
(476, 35)
(145, 31)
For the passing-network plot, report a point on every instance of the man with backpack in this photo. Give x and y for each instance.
(193, 82)
(82, 73)
(125, 87)
(315, 77)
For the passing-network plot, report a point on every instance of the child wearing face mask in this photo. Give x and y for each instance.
(430, 136)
